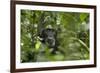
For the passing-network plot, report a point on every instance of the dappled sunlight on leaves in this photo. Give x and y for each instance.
(72, 36)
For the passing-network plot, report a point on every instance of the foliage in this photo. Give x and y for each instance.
(72, 34)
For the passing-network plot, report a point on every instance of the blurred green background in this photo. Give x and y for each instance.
(73, 35)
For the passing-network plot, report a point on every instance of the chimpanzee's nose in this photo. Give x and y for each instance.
(51, 42)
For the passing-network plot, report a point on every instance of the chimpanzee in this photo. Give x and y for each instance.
(49, 37)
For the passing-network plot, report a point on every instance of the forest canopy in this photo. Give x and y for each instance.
(70, 32)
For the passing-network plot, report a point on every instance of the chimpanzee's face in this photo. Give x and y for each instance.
(49, 37)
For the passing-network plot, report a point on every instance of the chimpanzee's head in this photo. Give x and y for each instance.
(48, 36)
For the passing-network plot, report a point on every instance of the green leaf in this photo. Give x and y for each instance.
(59, 57)
(37, 45)
(83, 16)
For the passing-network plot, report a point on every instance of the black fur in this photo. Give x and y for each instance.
(49, 37)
